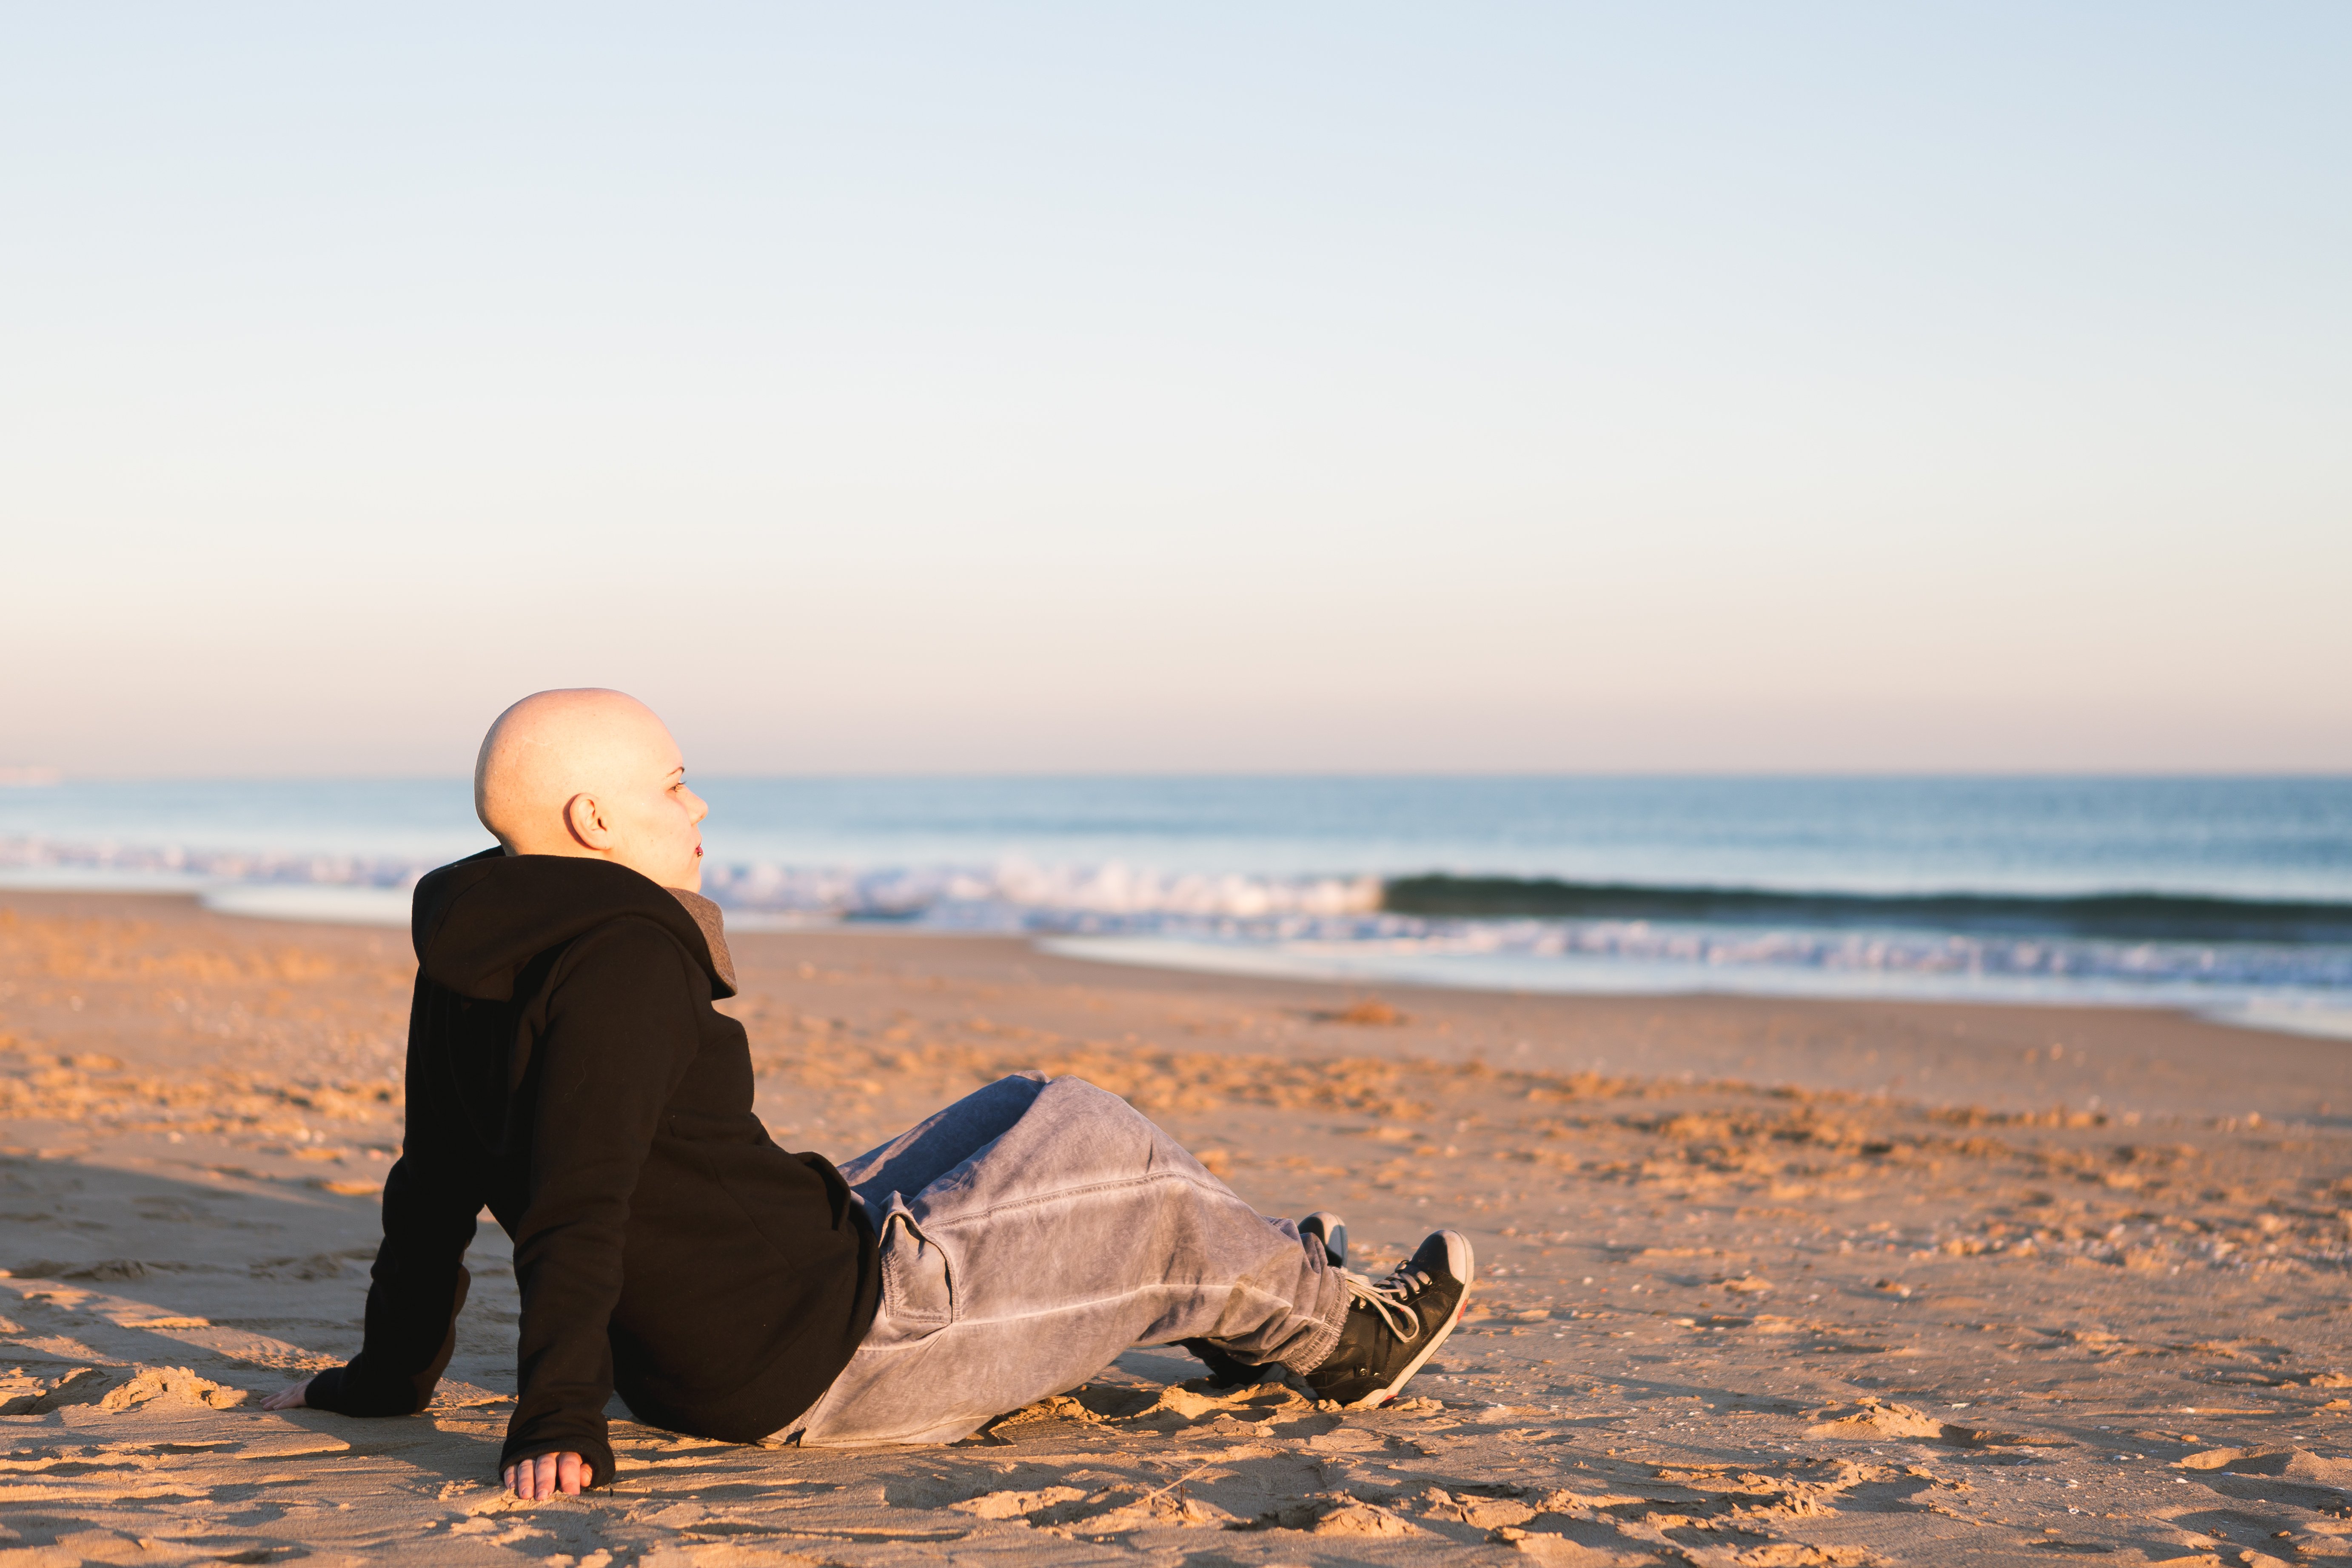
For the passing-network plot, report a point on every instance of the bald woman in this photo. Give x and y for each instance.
(568, 1071)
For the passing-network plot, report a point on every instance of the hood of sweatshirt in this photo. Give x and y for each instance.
(477, 921)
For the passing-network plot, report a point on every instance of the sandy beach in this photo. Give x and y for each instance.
(1762, 1283)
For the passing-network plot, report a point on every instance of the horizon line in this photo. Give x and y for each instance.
(55, 778)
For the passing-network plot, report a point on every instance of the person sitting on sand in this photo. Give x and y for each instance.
(567, 1070)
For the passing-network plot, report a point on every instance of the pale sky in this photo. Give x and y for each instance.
(1338, 387)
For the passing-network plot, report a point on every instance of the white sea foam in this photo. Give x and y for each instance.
(1329, 927)
(1015, 884)
(325, 904)
(26, 861)
(2293, 1009)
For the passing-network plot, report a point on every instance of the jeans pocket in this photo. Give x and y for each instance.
(917, 1279)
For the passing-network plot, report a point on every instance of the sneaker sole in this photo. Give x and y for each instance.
(1381, 1396)
(1332, 1231)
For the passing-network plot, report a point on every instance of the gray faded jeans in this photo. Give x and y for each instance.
(1031, 1232)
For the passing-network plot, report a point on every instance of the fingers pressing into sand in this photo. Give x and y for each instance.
(546, 1475)
(291, 1398)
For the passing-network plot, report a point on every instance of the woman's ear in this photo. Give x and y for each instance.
(586, 824)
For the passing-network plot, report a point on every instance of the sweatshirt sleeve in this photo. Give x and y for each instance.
(419, 1279)
(619, 1035)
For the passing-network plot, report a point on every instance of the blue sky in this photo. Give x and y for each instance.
(1711, 387)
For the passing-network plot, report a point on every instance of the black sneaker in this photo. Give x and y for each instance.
(1331, 1231)
(1225, 1371)
(1395, 1326)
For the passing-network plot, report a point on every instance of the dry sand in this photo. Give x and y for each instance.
(1763, 1283)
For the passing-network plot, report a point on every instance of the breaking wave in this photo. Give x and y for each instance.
(2108, 942)
(2128, 915)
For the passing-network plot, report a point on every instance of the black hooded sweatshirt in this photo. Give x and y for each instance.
(566, 1068)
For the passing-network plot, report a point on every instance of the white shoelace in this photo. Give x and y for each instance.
(1388, 1298)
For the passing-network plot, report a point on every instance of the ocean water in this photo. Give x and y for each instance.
(2230, 897)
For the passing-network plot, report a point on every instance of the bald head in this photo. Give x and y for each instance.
(591, 773)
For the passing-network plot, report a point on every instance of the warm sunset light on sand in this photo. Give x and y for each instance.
(1714, 1314)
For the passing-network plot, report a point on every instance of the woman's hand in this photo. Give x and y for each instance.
(293, 1398)
(545, 1474)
